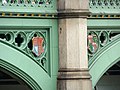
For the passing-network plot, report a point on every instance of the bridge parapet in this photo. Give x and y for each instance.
(28, 8)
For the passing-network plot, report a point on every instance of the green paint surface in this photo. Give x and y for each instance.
(18, 62)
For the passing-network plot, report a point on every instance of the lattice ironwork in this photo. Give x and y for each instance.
(25, 42)
(28, 7)
(104, 2)
(104, 7)
(26, 2)
(98, 39)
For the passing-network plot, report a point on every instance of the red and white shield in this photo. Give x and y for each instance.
(37, 43)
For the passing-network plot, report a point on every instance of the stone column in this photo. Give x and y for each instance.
(73, 63)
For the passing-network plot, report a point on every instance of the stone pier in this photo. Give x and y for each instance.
(73, 62)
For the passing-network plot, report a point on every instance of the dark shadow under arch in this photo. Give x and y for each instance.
(12, 82)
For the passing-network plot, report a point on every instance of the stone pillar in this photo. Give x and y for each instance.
(73, 63)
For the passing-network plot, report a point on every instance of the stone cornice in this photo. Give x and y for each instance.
(73, 13)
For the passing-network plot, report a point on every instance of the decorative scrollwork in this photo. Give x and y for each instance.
(117, 2)
(93, 2)
(99, 39)
(103, 38)
(111, 2)
(33, 43)
(21, 40)
(106, 8)
(9, 36)
(104, 2)
(47, 2)
(99, 2)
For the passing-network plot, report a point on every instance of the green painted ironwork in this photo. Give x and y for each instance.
(98, 39)
(17, 56)
(103, 36)
(103, 44)
(24, 67)
(27, 7)
(26, 2)
(102, 61)
(20, 22)
(23, 41)
(104, 6)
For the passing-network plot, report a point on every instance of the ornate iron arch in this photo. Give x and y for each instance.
(14, 61)
(22, 75)
(104, 59)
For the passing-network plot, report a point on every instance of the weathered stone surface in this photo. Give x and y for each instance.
(73, 43)
(73, 64)
(73, 84)
(72, 8)
(73, 74)
(72, 4)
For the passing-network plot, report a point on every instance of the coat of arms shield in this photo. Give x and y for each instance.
(37, 43)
